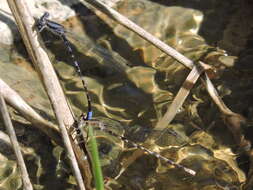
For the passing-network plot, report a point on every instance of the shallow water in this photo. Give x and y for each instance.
(132, 83)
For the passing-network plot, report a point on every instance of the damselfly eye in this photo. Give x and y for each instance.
(39, 26)
(104, 148)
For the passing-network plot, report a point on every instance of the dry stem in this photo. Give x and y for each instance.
(21, 163)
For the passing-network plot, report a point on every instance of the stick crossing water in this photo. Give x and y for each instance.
(44, 23)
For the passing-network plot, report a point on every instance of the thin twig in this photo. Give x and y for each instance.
(216, 98)
(41, 61)
(144, 34)
(21, 163)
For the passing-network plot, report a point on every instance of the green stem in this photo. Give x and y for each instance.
(96, 166)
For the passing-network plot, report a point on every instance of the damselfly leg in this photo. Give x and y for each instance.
(105, 127)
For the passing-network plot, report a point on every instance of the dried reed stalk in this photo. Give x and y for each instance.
(20, 160)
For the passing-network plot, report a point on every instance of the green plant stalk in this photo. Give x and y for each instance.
(96, 166)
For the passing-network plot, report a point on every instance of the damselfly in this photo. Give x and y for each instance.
(57, 29)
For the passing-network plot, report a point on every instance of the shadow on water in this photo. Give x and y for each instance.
(38, 155)
(96, 27)
(216, 15)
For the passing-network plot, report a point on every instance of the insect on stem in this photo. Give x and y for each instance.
(57, 29)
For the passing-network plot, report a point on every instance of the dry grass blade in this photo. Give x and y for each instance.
(179, 99)
(21, 163)
(216, 98)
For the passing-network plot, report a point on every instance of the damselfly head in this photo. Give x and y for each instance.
(41, 23)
